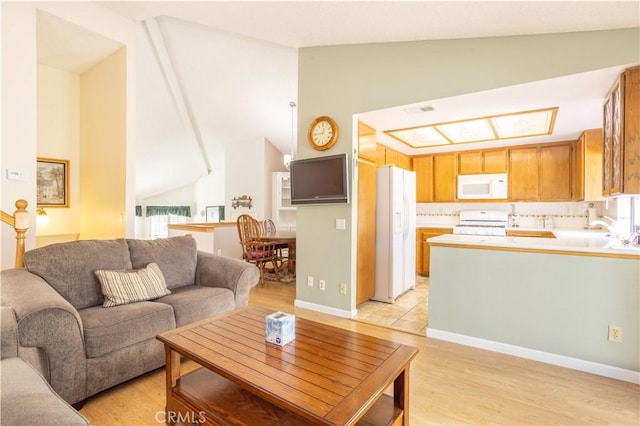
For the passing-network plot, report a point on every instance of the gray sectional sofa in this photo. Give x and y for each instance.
(26, 398)
(83, 347)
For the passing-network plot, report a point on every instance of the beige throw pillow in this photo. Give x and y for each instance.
(122, 287)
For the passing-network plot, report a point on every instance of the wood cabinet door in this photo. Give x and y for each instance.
(445, 177)
(404, 161)
(616, 138)
(426, 249)
(606, 144)
(523, 174)
(366, 142)
(495, 161)
(588, 166)
(556, 172)
(366, 239)
(470, 163)
(631, 131)
(423, 166)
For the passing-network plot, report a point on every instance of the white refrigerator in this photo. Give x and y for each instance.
(395, 233)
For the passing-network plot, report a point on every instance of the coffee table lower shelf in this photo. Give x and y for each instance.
(203, 397)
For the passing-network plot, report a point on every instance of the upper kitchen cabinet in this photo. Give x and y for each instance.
(541, 172)
(423, 166)
(366, 142)
(556, 172)
(477, 162)
(523, 174)
(588, 170)
(621, 135)
(445, 167)
(386, 156)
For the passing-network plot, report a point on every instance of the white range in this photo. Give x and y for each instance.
(482, 222)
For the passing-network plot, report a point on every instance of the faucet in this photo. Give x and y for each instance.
(610, 226)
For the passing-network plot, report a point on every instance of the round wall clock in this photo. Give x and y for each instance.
(322, 133)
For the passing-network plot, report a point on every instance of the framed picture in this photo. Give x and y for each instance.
(52, 182)
(215, 213)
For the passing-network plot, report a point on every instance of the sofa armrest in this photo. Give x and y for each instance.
(45, 320)
(8, 333)
(220, 271)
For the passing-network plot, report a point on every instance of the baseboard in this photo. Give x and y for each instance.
(533, 354)
(325, 309)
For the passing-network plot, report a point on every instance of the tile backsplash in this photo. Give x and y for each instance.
(529, 215)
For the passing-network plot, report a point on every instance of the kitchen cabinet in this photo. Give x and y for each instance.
(477, 162)
(523, 174)
(423, 166)
(283, 212)
(445, 167)
(556, 172)
(367, 145)
(423, 251)
(541, 172)
(386, 156)
(366, 233)
(588, 166)
(621, 135)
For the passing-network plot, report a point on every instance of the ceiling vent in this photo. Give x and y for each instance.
(420, 109)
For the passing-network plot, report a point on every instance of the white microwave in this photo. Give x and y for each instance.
(482, 187)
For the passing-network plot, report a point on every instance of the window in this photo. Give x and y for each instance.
(159, 224)
(159, 217)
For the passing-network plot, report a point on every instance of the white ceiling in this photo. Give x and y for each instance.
(290, 25)
(322, 22)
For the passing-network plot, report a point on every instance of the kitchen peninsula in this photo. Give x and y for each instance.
(546, 299)
(212, 237)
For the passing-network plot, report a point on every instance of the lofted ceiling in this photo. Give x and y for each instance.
(272, 31)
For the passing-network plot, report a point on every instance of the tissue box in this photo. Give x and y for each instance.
(280, 328)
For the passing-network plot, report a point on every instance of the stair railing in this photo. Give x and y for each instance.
(19, 221)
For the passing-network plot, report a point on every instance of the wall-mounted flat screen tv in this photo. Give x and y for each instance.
(320, 180)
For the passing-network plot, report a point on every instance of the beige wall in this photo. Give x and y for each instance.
(19, 102)
(103, 172)
(341, 81)
(58, 116)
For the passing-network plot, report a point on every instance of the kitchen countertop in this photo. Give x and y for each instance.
(587, 243)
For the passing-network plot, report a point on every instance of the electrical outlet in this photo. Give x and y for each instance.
(615, 334)
(343, 289)
(321, 285)
(310, 281)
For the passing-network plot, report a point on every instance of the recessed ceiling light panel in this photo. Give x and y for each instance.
(519, 125)
(420, 137)
(467, 131)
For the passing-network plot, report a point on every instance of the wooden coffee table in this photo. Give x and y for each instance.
(327, 376)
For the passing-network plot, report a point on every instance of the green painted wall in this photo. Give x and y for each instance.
(558, 304)
(341, 81)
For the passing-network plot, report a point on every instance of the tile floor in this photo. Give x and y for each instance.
(408, 313)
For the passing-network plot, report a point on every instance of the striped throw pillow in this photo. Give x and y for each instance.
(122, 287)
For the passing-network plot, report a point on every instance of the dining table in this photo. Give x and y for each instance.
(288, 238)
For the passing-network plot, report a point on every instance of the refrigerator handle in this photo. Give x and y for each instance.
(405, 219)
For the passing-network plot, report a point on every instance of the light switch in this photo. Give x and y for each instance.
(341, 224)
(16, 174)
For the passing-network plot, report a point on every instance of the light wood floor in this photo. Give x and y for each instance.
(449, 384)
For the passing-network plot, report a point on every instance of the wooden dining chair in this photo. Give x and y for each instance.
(269, 228)
(255, 251)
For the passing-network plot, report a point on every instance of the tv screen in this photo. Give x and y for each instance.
(320, 180)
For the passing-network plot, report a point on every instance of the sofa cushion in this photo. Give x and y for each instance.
(27, 398)
(70, 267)
(195, 302)
(176, 257)
(110, 329)
(122, 287)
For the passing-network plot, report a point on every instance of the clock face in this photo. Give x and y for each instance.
(323, 133)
